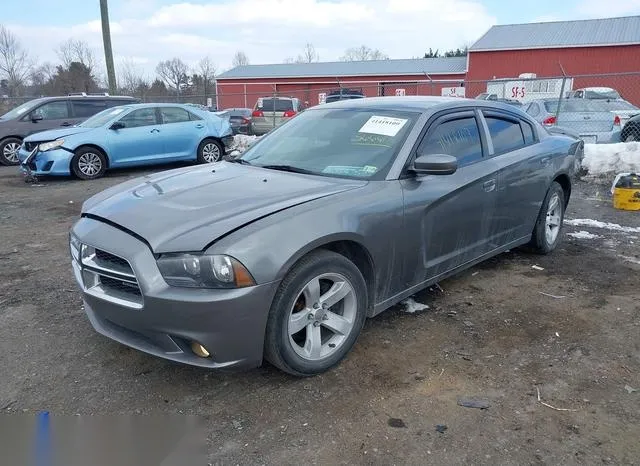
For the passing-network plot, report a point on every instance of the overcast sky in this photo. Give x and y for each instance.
(269, 31)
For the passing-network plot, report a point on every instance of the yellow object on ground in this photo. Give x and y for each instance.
(626, 193)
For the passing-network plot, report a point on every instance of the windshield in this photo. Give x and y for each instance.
(601, 94)
(336, 142)
(102, 118)
(20, 110)
(586, 105)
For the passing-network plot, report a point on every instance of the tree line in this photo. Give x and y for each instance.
(78, 70)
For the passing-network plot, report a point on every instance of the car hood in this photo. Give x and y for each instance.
(53, 134)
(186, 209)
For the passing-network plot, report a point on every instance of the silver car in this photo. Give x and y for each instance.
(271, 112)
(595, 121)
(333, 217)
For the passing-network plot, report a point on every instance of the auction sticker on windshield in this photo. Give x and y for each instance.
(386, 126)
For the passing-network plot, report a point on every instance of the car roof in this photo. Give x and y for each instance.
(162, 104)
(414, 103)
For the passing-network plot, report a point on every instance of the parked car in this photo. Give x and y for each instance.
(271, 112)
(333, 217)
(594, 93)
(240, 119)
(344, 94)
(49, 113)
(126, 136)
(631, 130)
(495, 98)
(596, 121)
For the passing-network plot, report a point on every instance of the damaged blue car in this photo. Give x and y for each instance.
(127, 136)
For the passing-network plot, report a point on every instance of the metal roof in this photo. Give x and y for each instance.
(583, 33)
(412, 66)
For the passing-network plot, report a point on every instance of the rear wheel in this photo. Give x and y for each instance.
(210, 151)
(9, 148)
(632, 136)
(546, 233)
(316, 315)
(88, 163)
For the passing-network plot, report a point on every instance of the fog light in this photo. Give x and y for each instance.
(199, 350)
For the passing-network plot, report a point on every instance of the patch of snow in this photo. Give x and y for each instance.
(241, 142)
(583, 235)
(412, 306)
(587, 222)
(603, 159)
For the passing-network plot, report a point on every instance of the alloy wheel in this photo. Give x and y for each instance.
(554, 219)
(10, 152)
(211, 152)
(322, 317)
(90, 164)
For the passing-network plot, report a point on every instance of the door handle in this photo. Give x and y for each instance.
(489, 185)
(155, 130)
(199, 126)
(66, 123)
(545, 161)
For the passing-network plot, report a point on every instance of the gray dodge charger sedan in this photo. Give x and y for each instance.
(335, 216)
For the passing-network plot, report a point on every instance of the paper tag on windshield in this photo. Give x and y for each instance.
(386, 126)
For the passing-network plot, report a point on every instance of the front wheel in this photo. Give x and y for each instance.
(88, 163)
(9, 148)
(546, 233)
(210, 151)
(316, 315)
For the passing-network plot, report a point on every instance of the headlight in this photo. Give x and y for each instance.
(204, 271)
(45, 146)
(75, 246)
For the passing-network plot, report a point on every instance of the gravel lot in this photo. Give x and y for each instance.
(490, 333)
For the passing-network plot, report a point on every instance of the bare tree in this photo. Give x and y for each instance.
(131, 78)
(240, 59)
(309, 54)
(15, 65)
(76, 51)
(363, 53)
(174, 73)
(207, 70)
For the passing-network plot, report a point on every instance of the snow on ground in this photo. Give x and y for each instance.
(583, 235)
(241, 142)
(610, 159)
(411, 306)
(587, 222)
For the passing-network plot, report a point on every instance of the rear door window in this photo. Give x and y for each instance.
(87, 108)
(506, 134)
(174, 115)
(140, 117)
(458, 137)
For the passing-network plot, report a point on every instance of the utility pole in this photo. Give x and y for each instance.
(106, 40)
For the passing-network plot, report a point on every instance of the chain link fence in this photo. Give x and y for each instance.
(599, 108)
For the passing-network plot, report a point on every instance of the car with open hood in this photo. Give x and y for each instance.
(331, 218)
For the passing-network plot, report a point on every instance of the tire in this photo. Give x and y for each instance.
(210, 151)
(89, 163)
(9, 148)
(632, 136)
(286, 347)
(548, 229)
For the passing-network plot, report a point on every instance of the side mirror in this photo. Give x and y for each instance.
(36, 117)
(435, 164)
(117, 125)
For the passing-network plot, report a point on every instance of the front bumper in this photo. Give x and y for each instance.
(164, 320)
(53, 162)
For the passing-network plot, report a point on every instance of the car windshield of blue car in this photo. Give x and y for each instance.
(335, 142)
(103, 117)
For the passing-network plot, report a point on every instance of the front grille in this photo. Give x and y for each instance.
(107, 276)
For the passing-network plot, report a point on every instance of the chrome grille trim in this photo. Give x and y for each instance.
(106, 275)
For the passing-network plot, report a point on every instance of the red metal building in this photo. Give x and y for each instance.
(608, 47)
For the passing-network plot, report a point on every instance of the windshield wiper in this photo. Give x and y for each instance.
(288, 168)
(240, 161)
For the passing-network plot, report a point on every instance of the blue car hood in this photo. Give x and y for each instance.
(53, 134)
(189, 208)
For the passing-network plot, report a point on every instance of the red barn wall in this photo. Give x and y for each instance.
(575, 61)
